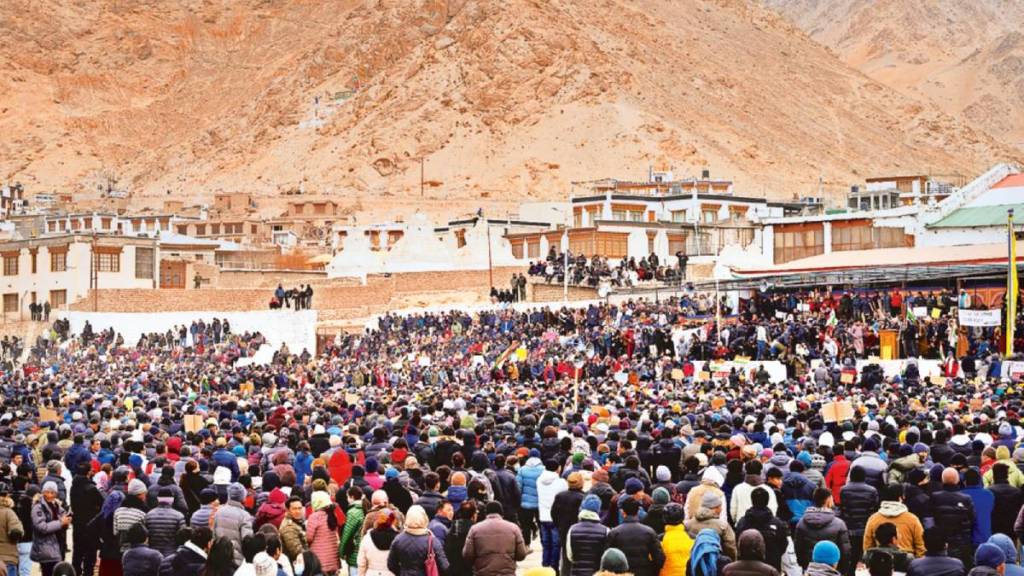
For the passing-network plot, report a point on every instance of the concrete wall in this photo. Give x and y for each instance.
(555, 292)
(296, 329)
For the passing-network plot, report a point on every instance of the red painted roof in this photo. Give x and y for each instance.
(1011, 181)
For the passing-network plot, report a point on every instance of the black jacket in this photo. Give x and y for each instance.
(511, 498)
(1008, 500)
(919, 503)
(954, 515)
(430, 500)
(86, 501)
(565, 511)
(858, 501)
(640, 545)
(587, 541)
(774, 531)
(184, 562)
(822, 524)
(941, 453)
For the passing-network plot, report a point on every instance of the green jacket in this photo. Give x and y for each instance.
(352, 534)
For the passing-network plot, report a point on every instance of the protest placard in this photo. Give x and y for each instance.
(193, 423)
(837, 411)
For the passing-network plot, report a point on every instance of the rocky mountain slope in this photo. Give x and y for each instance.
(509, 99)
(965, 57)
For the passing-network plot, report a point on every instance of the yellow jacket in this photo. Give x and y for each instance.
(676, 544)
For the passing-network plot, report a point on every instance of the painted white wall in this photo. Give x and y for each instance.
(297, 329)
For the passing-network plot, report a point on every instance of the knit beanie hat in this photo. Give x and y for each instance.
(135, 488)
(661, 496)
(591, 503)
(826, 552)
(236, 492)
(989, 555)
(614, 561)
(663, 474)
(575, 481)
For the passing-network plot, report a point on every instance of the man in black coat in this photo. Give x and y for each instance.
(858, 501)
(637, 541)
(935, 561)
(1008, 500)
(565, 510)
(774, 531)
(86, 502)
(190, 558)
(954, 516)
(507, 488)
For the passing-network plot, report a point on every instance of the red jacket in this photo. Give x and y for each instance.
(836, 477)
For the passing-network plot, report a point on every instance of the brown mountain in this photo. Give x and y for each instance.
(965, 57)
(509, 99)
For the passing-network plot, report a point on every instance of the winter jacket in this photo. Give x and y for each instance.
(352, 534)
(227, 459)
(163, 523)
(798, 492)
(509, 494)
(816, 569)
(750, 549)
(909, 531)
(739, 501)
(409, 554)
(774, 531)
(454, 544)
(293, 538)
(322, 540)
(430, 501)
(494, 546)
(187, 561)
(676, 545)
(835, 478)
(858, 502)
(11, 530)
(77, 454)
(936, 565)
(141, 560)
(641, 546)
(708, 519)
(548, 485)
(47, 532)
(984, 502)
(370, 559)
(874, 468)
(232, 522)
(1008, 501)
(86, 501)
(565, 511)
(820, 524)
(954, 515)
(587, 541)
(1016, 477)
(526, 480)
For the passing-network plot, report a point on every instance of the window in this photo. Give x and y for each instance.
(709, 216)
(108, 262)
(200, 229)
(794, 242)
(320, 208)
(105, 223)
(676, 243)
(58, 298)
(183, 229)
(144, 263)
(11, 264)
(517, 250)
(11, 303)
(58, 261)
(533, 248)
(679, 216)
(32, 254)
(214, 228)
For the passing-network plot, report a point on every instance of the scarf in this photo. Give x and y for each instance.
(704, 555)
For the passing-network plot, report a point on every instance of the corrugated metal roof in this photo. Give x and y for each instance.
(979, 216)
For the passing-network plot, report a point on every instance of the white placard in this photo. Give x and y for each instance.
(986, 318)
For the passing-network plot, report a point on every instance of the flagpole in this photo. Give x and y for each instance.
(1011, 282)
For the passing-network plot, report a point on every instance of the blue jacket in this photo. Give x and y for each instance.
(798, 492)
(224, 457)
(527, 481)
(984, 502)
(303, 467)
(77, 454)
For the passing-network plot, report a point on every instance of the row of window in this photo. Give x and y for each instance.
(105, 262)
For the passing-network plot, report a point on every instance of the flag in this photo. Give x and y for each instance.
(911, 317)
(1011, 283)
(832, 320)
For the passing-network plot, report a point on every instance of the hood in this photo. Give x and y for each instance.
(751, 545)
(547, 478)
(457, 493)
(534, 461)
(819, 518)
(704, 514)
(816, 569)
(794, 481)
(960, 440)
(754, 479)
(891, 509)
(780, 460)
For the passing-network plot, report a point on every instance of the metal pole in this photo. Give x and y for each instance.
(95, 273)
(565, 269)
(490, 267)
(421, 176)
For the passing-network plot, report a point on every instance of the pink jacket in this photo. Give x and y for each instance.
(323, 541)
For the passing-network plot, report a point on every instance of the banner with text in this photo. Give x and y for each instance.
(984, 318)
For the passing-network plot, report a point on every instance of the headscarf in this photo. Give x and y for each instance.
(416, 520)
(112, 503)
(704, 555)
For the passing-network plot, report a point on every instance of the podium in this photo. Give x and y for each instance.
(888, 344)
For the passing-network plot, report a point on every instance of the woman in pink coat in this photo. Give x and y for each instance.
(322, 532)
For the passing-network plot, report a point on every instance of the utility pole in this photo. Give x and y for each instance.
(94, 274)
(421, 176)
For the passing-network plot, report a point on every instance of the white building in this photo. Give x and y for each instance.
(61, 269)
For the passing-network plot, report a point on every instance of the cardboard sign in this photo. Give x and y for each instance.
(521, 353)
(717, 403)
(939, 380)
(193, 423)
(247, 388)
(837, 411)
(936, 313)
(977, 404)
(48, 415)
(677, 374)
(789, 407)
(351, 399)
(705, 376)
(847, 377)
(916, 405)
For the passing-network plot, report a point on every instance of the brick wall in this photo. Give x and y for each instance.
(343, 295)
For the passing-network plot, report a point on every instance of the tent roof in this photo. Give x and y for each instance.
(890, 258)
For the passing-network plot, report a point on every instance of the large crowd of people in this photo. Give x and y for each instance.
(453, 443)
(594, 271)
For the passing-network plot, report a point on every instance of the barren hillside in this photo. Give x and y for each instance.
(966, 57)
(507, 99)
